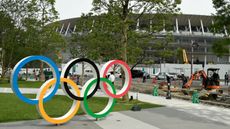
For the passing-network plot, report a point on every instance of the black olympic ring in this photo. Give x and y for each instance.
(69, 66)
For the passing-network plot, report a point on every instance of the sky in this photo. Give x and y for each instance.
(74, 8)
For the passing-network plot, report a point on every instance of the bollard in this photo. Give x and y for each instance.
(168, 95)
(155, 91)
(195, 97)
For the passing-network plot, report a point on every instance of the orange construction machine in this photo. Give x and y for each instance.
(210, 81)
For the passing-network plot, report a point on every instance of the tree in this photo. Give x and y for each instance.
(124, 9)
(162, 48)
(45, 13)
(96, 38)
(220, 47)
(25, 27)
(222, 24)
(111, 24)
(222, 16)
(11, 30)
(180, 56)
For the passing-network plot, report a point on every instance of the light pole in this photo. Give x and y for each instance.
(192, 58)
(160, 65)
(196, 45)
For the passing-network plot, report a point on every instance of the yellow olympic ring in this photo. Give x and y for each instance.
(70, 114)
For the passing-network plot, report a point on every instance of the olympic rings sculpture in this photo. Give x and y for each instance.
(50, 87)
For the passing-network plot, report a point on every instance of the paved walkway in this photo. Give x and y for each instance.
(156, 118)
(214, 113)
(177, 114)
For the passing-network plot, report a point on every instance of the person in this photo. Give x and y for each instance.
(184, 79)
(216, 78)
(34, 73)
(37, 74)
(112, 78)
(46, 76)
(107, 76)
(78, 79)
(226, 79)
(74, 78)
(144, 77)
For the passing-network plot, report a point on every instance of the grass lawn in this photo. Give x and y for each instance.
(22, 84)
(13, 109)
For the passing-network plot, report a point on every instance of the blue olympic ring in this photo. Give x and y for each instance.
(16, 70)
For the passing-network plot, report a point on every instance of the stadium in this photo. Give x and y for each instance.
(187, 30)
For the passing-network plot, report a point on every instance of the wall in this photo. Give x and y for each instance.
(184, 68)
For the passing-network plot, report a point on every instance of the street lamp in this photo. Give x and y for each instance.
(193, 45)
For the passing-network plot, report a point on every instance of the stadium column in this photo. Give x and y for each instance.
(67, 30)
(61, 29)
(92, 26)
(74, 28)
(202, 26)
(164, 30)
(138, 24)
(190, 26)
(225, 31)
(214, 27)
(151, 25)
(56, 30)
(177, 26)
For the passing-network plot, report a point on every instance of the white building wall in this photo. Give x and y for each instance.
(185, 68)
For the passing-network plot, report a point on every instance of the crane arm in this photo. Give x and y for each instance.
(185, 57)
(189, 83)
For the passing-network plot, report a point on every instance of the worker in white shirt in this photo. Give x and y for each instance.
(112, 77)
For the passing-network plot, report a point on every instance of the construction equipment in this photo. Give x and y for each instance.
(210, 81)
(185, 57)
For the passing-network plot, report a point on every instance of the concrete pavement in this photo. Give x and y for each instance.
(177, 114)
(214, 113)
(157, 118)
